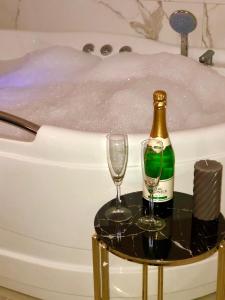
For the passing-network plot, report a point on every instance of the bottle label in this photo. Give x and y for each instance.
(165, 187)
(164, 191)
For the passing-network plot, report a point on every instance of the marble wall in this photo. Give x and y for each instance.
(147, 18)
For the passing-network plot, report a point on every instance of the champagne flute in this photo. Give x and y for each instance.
(151, 160)
(117, 156)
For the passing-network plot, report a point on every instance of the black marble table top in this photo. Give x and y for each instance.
(184, 240)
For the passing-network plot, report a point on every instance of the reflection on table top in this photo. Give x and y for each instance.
(184, 240)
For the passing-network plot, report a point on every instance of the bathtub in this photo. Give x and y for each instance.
(52, 187)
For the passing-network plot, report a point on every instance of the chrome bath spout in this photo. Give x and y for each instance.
(183, 22)
(206, 58)
(19, 122)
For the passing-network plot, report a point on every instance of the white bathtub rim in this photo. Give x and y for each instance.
(63, 146)
(33, 40)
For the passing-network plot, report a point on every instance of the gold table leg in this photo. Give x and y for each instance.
(145, 282)
(96, 268)
(220, 292)
(160, 282)
(105, 272)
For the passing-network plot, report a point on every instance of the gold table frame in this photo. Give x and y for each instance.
(101, 269)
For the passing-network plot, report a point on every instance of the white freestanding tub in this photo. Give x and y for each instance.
(52, 187)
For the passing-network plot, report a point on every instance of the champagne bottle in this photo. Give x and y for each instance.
(165, 188)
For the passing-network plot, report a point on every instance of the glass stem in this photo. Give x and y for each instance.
(118, 192)
(151, 205)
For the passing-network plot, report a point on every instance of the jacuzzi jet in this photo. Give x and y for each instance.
(183, 22)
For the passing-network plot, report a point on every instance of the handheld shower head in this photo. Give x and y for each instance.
(183, 22)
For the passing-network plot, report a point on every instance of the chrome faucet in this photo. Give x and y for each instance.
(183, 22)
(206, 58)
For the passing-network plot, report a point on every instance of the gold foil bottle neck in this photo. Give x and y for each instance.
(159, 118)
(159, 98)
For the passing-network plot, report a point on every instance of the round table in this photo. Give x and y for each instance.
(184, 240)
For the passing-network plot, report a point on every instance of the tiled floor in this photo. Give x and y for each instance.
(6, 294)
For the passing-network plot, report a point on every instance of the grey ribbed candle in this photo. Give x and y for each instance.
(207, 189)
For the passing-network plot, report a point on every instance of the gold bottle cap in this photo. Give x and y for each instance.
(159, 98)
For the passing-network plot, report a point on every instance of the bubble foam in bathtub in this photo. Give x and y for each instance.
(81, 91)
(46, 66)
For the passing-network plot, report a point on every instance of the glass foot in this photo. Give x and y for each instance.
(120, 214)
(150, 224)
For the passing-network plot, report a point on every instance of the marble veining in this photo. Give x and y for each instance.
(151, 23)
(184, 237)
(17, 14)
(207, 40)
(145, 18)
(115, 11)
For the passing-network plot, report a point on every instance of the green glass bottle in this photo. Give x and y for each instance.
(165, 188)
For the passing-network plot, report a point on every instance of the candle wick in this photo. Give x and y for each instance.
(206, 163)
